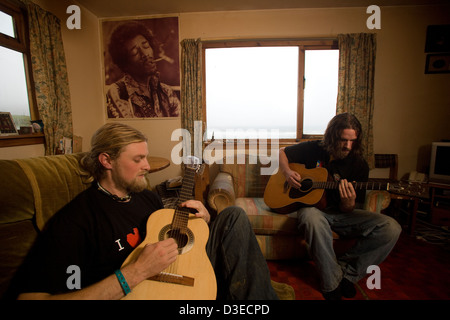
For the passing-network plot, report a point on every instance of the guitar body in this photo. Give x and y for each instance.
(191, 276)
(280, 197)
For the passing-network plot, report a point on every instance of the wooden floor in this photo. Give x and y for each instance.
(414, 270)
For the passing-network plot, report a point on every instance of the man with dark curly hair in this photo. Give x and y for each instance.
(139, 93)
(340, 152)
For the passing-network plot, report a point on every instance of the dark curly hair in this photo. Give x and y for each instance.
(123, 33)
(334, 129)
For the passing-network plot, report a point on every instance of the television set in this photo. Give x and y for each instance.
(440, 163)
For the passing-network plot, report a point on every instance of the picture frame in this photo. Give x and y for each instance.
(7, 126)
(126, 93)
(437, 63)
(437, 38)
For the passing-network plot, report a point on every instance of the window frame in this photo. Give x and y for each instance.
(20, 43)
(303, 44)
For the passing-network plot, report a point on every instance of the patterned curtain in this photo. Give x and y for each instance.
(191, 94)
(356, 83)
(50, 76)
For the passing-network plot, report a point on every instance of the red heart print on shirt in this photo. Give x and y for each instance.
(134, 238)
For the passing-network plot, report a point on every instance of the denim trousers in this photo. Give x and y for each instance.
(375, 234)
(239, 265)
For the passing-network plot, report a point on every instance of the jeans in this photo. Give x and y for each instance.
(376, 235)
(240, 267)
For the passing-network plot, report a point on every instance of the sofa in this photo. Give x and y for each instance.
(32, 190)
(242, 184)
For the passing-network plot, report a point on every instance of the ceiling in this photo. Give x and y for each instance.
(123, 8)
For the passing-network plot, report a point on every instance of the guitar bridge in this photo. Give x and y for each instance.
(173, 278)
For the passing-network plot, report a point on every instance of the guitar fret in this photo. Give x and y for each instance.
(369, 185)
(281, 198)
(181, 216)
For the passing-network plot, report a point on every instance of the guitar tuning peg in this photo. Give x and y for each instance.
(200, 168)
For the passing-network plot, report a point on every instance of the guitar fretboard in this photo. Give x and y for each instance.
(371, 185)
(181, 215)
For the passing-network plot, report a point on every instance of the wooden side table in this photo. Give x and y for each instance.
(157, 163)
(415, 192)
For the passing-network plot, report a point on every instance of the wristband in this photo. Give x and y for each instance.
(123, 283)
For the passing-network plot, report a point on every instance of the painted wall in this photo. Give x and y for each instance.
(411, 108)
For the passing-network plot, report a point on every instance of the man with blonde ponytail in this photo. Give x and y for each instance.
(98, 230)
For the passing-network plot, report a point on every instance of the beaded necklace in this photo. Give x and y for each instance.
(117, 198)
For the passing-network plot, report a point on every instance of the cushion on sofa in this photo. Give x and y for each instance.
(377, 200)
(55, 180)
(16, 239)
(247, 178)
(264, 221)
(281, 247)
(16, 202)
(221, 193)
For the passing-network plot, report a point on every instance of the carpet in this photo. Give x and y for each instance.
(414, 270)
(433, 234)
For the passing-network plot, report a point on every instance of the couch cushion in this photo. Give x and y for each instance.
(16, 239)
(247, 178)
(282, 247)
(221, 193)
(377, 200)
(265, 221)
(16, 202)
(55, 181)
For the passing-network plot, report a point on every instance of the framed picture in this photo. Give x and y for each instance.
(438, 63)
(438, 38)
(141, 68)
(7, 126)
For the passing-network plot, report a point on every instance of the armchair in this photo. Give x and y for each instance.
(243, 185)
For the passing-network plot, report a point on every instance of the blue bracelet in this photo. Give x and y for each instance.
(123, 283)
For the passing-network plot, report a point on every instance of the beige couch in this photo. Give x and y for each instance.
(31, 190)
(277, 234)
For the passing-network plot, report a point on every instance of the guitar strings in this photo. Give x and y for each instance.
(179, 223)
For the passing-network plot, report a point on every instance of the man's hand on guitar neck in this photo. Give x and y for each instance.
(348, 196)
(202, 212)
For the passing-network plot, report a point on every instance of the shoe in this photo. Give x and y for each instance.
(348, 289)
(333, 295)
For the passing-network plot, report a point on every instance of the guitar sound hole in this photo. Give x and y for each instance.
(185, 241)
(306, 186)
(180, 238)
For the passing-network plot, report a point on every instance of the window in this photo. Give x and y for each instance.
(250, 88)
(15, 95)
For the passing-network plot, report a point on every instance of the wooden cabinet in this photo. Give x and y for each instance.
(440, 204)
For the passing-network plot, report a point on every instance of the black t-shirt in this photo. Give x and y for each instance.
(93, 232)
(312, 155)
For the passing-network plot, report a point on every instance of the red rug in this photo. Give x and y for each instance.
(414, 270)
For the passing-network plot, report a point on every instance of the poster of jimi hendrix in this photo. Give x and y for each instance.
(141, 65)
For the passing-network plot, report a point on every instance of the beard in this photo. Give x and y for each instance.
(138, 184)
(341, 153)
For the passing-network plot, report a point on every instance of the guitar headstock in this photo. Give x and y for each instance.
(194, 163)
(405, 187)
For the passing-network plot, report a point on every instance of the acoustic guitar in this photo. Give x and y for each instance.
(282, 198)
(191, 276)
